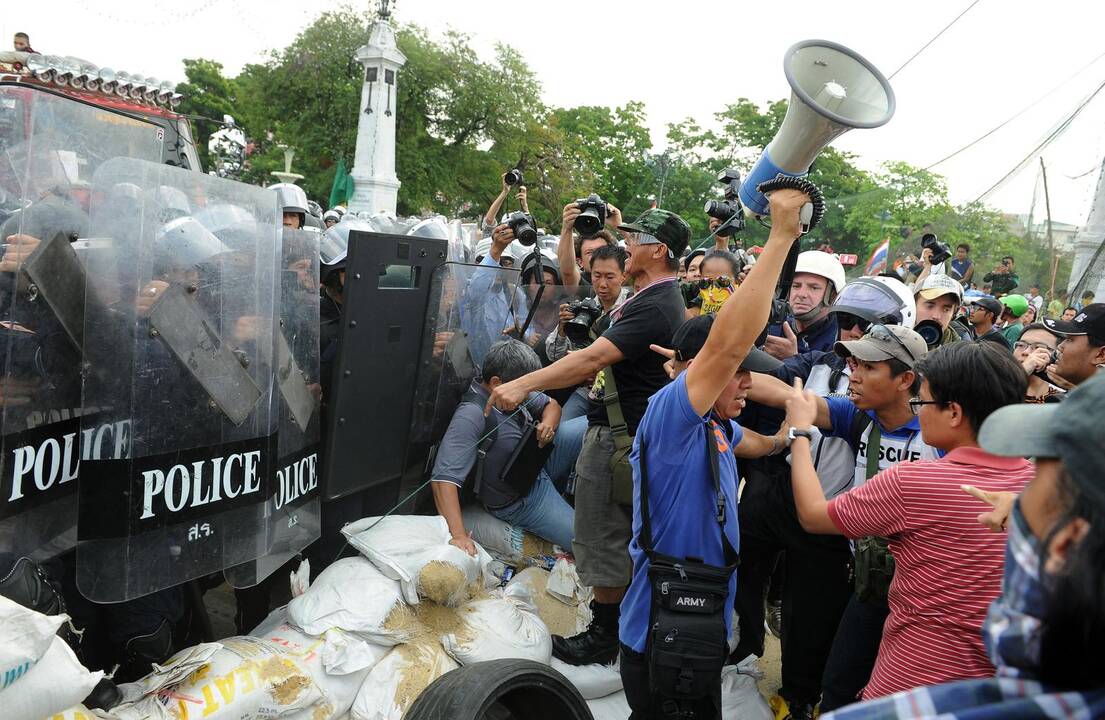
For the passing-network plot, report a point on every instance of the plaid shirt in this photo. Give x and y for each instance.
(1012, 637)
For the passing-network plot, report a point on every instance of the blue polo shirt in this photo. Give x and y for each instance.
(682, 504)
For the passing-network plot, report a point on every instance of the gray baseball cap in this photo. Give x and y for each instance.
(1072, 430)
(883, 342)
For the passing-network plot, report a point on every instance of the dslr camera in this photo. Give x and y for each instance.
(524, 227)
(514, 177)
(930, 331)
(592, 216)
(578, 329)
(940, 251)
(729, 211)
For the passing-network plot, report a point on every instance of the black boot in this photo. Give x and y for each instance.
(598, 644)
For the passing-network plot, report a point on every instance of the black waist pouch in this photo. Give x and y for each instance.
(687, 643)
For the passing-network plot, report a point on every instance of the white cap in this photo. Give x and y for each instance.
(936, 285)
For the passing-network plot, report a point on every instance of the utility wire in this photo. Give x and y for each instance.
(1051, 137)
(934, 39)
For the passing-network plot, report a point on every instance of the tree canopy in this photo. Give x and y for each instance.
(462, 121)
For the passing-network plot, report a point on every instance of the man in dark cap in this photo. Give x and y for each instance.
(984, 315)
(625, 374)
(1082, 350)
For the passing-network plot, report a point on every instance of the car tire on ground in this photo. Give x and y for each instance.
(500, 690)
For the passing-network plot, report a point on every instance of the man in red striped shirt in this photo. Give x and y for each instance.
(949, 567)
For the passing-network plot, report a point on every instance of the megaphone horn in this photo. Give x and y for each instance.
(833, 89)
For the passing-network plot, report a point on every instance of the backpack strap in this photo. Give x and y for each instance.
(490, 434)
(860, 422)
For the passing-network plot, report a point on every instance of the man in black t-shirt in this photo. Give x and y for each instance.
(603, 527)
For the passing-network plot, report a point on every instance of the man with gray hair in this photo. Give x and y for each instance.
(508, 460)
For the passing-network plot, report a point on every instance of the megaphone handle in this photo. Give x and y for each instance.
(805, 217)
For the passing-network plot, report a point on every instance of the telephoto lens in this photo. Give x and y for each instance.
(593, 216)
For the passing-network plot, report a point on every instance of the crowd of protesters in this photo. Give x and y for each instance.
(871, 463)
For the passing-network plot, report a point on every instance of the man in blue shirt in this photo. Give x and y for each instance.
(683, 508)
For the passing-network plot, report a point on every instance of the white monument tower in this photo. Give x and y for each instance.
(375, 185)
(1090, 237)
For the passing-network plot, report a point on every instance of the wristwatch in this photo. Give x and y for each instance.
(796, 433)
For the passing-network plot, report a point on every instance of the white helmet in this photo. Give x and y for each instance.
(482, 248)
(820, 263)
(878, 300)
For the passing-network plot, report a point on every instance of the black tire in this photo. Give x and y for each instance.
(500, 690)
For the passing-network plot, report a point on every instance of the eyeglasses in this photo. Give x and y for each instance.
(1022, 345)
(646, 239)
(846, 321)
(882, 333)
(916, 403)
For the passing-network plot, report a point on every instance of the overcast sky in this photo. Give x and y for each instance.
(691, 57)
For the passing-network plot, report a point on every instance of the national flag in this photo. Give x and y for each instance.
(342, 189)
(877, 262)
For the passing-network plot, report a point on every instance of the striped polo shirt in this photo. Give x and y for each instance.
(949, 566)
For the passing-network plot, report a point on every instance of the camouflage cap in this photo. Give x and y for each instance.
(665, 226)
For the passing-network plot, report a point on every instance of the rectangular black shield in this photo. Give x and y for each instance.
(387, 288)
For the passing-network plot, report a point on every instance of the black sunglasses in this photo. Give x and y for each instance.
(846, 321)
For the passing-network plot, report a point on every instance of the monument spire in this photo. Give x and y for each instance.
(375, 185)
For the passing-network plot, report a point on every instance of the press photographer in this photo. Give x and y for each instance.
(1003, 278)
(818, 279)
(511, 179)
(581, 234)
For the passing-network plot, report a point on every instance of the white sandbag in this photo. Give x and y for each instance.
(564, 584)
(593, 681)
(78, 712)
(498, 628)
(342, 653)
(398, 679)
(300, 578)
(415, 550)
(352, 595)
(560, 618)
(25, 636)
(56, 682)
(611, 707)
(740, 699)
(279, 676)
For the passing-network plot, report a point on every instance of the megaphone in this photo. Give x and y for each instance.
(833, 89)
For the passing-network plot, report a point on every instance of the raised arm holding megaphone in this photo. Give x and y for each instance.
(833, 89)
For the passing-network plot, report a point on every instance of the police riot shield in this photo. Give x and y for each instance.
(179, 331)
(472, 308)
(50, 147)
(385, 293)
(292, 513)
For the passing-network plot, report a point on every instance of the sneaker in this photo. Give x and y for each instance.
(791, 711)
(595, 645)
(773, 618)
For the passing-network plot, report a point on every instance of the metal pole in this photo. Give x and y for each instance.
(1050, 239)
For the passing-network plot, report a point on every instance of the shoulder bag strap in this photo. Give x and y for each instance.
(874, 444)
(614, 415)
(645, 536)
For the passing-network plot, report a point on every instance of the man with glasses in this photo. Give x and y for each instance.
(627, 373)
(881, 431)
(948, 567)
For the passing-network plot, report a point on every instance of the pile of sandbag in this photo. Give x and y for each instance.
(40, 675)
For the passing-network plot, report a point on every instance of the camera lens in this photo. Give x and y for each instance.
(514, 177)
(930, 331)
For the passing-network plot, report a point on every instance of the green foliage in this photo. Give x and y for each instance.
(208, 95)
(462, 121)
